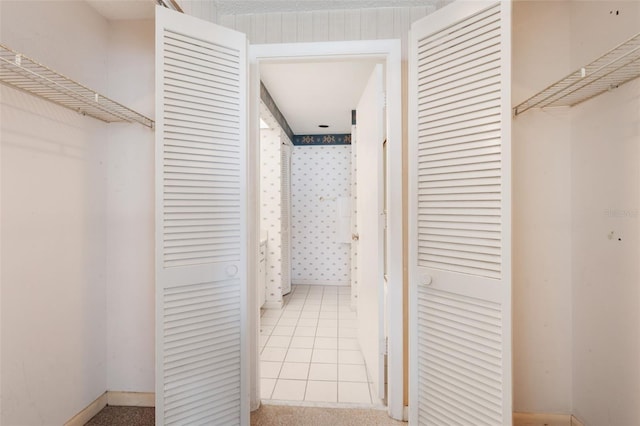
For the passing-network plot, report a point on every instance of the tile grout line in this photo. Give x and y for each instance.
(326, 300)
(306, 384)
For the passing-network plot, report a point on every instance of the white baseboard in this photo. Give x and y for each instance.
(131, 399)
(148, 399)
(541, 419)
(89, 411)
(272, 305)
(126, 399)
(320, 282)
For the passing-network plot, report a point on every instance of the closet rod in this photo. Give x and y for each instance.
(23, 73)
(611, 70)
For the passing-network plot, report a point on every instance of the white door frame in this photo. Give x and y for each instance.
(390, 52)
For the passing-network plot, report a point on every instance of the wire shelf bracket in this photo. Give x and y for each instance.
(611, 70)
(23, 73)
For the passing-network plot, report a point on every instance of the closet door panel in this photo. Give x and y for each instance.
(460, 272)
(200, 222)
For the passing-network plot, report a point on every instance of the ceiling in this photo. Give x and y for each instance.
(307, 93)
(312, 93)
(235, 7)
(144, 9)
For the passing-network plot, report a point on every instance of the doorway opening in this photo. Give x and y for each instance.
(309, 350)
(315, 345)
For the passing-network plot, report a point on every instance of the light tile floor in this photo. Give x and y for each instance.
(310, 352)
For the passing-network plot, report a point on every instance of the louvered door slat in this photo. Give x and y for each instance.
(198, 121)
(218, 102)
(472, 65)
(179, 130)
(211, 51)
(475, 143)
(183, 79)
(482, 193)
(464, 98)
(459, 78)
(200, 163)
(463, 65)
(449, 37)
(181, 76)
(459, 216)
(194, 148)
(199, 116)
(454, 111)
(220, 150)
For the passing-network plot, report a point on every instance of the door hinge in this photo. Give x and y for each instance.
(384, 343)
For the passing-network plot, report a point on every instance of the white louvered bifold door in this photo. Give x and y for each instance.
(200, 222)
(460, 226)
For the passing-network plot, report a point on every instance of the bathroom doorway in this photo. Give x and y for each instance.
(325, 302)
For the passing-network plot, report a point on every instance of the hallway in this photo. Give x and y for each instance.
(310, 352)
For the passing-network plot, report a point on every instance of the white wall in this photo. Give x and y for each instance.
(326, 25)
(576, 180)
(320, 175)
(130, 212)
(606, 287)
(53, 223)
(77, 219)
(202, 9)
(541, 214)
(605, 145)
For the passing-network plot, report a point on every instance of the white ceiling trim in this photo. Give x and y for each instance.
(240, 7)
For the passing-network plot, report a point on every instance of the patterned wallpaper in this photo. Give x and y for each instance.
(321, 175)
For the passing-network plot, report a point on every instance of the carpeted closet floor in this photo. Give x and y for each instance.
(267, 415)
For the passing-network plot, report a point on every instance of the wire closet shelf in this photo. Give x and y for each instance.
(611, 70)
(21, 72)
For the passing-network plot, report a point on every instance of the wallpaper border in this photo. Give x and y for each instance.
(273, 107)
(311, 140)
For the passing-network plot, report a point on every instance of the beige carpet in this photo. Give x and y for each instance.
(267, 415)
(124, 416)
(276, 415)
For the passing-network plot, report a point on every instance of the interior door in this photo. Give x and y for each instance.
(460, 216)
(370, 220)
(285, 202)
(201, 109)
